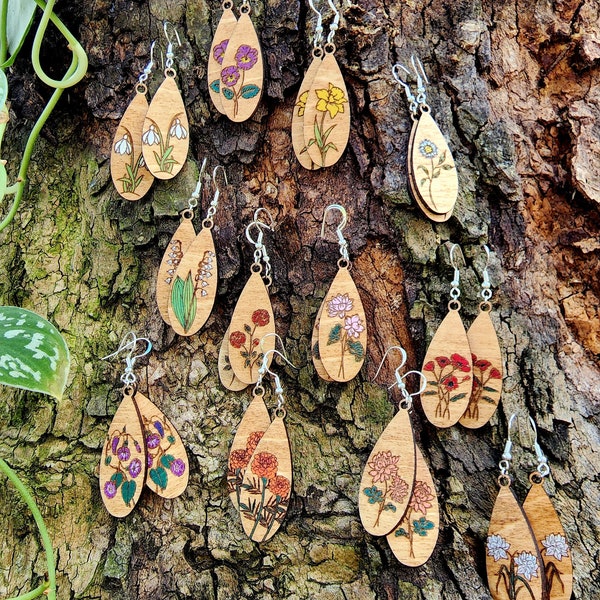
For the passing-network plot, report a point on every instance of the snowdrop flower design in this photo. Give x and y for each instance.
(178, 130)
(123, 146)
(151, 137)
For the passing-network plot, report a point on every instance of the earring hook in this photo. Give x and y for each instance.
(128, 376)
(402, 352)
(543, 468)
(278, 337)
(170, 55)
(264, 368)
(214, 175)
(193, 199)
(421, 77)
(148, 68)
(339, 229)
(319, 27)
(455, 290)
(336, 22)
(486, 292)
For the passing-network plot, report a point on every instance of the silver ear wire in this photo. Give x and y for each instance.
(542, 467)
(128, 377)
(403, 354)
(339, 229)
(195, 195)
(486, 292)
(335, 23)
(264, 369)
(170, 55)
(319, 27)
(259, 249)
(455, 290)
(212, 209)
(148, 68)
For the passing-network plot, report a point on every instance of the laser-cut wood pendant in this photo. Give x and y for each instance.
(314, 345)
(267, 485)
(342, 329)
(513, 561)
(226, 374)
(298, 141)
(184, 235)
(327, 113)
(413, 540)
(167, 460)
(252, 320)
(225, 28)
(194, 285)
(431, 167)
(127, 166)
(487, 370)
(123, 461)
(254, 423)
(551, 540)
(165, 140)
(388, 477)
(449, 371)
(242, 70)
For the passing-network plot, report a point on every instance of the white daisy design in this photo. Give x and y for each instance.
(527, 565)
(497, 547)
(556, 545)
(123, 146)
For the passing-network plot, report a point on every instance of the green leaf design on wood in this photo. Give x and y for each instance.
(357, 350)
(166, 460)
(215, 86)
(159, 476)
(249, 91)
(33, 354)
(183, 301)
(228, 93)
(334, 334)
(128, 491)
(117, 478)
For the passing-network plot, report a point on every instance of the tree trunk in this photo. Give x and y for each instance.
(513, 86)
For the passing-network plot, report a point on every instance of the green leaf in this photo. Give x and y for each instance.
(159, 476)
(215, 86)
(425, 169)
(488, 399)
(33, 354)
(423, 181)
(170, 439)
(442, 157)
(326, 134)
(489, 389)
(334, 334)
(228, 93)
(117, 478)
(429, 393)
(166, 460)
(330, 146)
(249, 91)
(128, 491)
(457, 397)
(108, 460)
(318, 137)
(436, 173)
(183, 301)
(3, 89)
(247, 328)
(357, 350)
(18, 23)
(167, 154)
(447, 167)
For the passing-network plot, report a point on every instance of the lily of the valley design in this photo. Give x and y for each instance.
(231, 85)
(429, 151)
(346, 333)
(132, 178)
(153, 136)
(446, 375)
(483, 373)
(330, 100)
(246, 342)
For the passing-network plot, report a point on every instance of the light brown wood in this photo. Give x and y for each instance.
(449, 372)
(314, 348)
(512, 557)
(123, 461)
(388, 478)
(252, 320)
(327, 114)
(167, 460)
(342, 329)
(552, 542)
(242, 72)
(254, 423)
(298, 140)
(267, 486)
(432, 167)
(182, 238)
(413, 540)
(166, 136)
(225, 28)
(226, 374)
(127, 167)
(194, 285)
(487, 372)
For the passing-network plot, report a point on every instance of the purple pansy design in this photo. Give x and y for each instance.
(230, 75)
(246, 57)
(178, 467)
(110, 489)
(219, 51)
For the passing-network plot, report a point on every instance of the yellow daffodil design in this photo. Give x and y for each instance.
(331, 100)
(301, 104)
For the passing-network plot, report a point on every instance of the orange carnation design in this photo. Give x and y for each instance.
(238, 459)
(280, 486)
(265, 465)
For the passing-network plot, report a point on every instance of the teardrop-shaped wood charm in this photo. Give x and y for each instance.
(413, 540)
(127, 166)
(267, 485)
(226, 374)
(512, 558)
(449, 370)
(167, 460)
(552, 542)
(298, 142)
(327, 114)
(314, 348)
(242, 69)
(252, 319)
(180, 242)
(123, 462)
(225, 28)
(342, 329)
(433, 166)
(254, 423)
(487, 371)
(166, 136)
(388, 478)
(194, 285)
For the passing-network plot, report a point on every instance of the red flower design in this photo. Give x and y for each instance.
(237, 339)
(443, 361)
(252, 441)
(280, 486)
(265, 465)
(473, 357)
(450, 382)
(238, 459)
(255, 342)
(460, 362)
(482, 364)
(430, 366)
(260, 317)
(495, 374)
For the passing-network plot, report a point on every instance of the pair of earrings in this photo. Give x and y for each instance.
(142, 446)
(432, 177)
(240, 355)
(321, 119)
(151, 140)
(339, 337)
(397, 496)
(235, 64)
(186, 284)
(463, 368)
(259, 474)
(526, 547)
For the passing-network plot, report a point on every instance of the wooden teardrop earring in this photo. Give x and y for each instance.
(448, 364)
(432, 177)
(339, 337)
(127, 166)
(166, 140)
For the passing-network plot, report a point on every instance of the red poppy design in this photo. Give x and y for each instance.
(495, 374)
(260, 317)
(460, 362)
(237, 339)
(430, 366)
(450, 382)
(482, 364)
(443, 361)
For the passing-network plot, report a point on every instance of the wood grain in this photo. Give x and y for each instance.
(226, 374)
(314, 345)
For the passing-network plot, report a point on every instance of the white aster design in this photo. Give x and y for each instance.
(497, 547)
(527, 565)
(123, 146)
(178, 130)
(556, 545)
(151, 137)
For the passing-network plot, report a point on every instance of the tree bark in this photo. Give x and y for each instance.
(513, 85)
